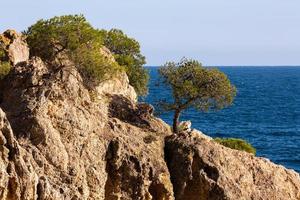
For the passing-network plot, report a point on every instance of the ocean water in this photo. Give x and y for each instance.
(266, 111)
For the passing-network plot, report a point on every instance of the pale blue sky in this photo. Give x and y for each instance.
(216, 32)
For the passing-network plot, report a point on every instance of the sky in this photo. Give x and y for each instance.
(215, 32)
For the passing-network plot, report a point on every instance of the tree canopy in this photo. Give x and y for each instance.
(47, 38)
(5, 66)
(195, 86)
(73, 35)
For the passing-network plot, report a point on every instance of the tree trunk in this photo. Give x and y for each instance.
(176, 121)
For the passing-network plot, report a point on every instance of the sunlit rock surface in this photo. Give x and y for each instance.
(60, 140)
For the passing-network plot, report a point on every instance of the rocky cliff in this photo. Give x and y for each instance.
(60, 140)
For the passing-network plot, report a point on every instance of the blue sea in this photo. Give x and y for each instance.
(266, 111)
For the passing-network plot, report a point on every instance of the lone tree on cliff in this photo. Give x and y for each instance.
(195, 86)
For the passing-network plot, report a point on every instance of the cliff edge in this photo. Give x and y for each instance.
(60, 140)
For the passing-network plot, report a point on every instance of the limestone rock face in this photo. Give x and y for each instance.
(60, 140)
(118, 85)
(202, 169)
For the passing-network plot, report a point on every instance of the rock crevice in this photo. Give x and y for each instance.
(60, 140)
(202, 169)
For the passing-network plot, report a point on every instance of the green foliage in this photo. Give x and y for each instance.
(195, 86)
(4, 69)
(127, 53)
(2, 54)
(46, 38)
(93, 66)
(73, 35)
(237, 144)
(4, 64)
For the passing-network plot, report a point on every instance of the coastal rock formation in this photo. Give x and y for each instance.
(67, 142)
(60, 140)
(202, 169)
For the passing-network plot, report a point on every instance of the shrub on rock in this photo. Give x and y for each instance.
(4, 69)
(5, 66)
(235, 143)
(75, 37)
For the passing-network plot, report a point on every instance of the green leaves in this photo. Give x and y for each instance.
(5, 66)
(75, 37)
(235, 143)
(4, 69)
(93, 65)
(2, 54)
(49, 37)
(195, 86)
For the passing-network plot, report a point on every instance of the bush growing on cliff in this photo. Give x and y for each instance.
(47, 38)
(235, 143)
(195, 86)
(73, 35)
(4, 69)
(93, 66)
(5, 66)
(127, 53)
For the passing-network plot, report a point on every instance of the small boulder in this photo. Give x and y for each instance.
(15, 46)
(185, 126)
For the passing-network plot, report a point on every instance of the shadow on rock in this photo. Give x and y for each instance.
(125, 110)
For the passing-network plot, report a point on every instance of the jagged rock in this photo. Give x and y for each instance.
(15, 46)
(118, 85)
(60, 140)
(202, 169)
(18, 178)
(107, 54)
(67, 144)
(145, 110)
